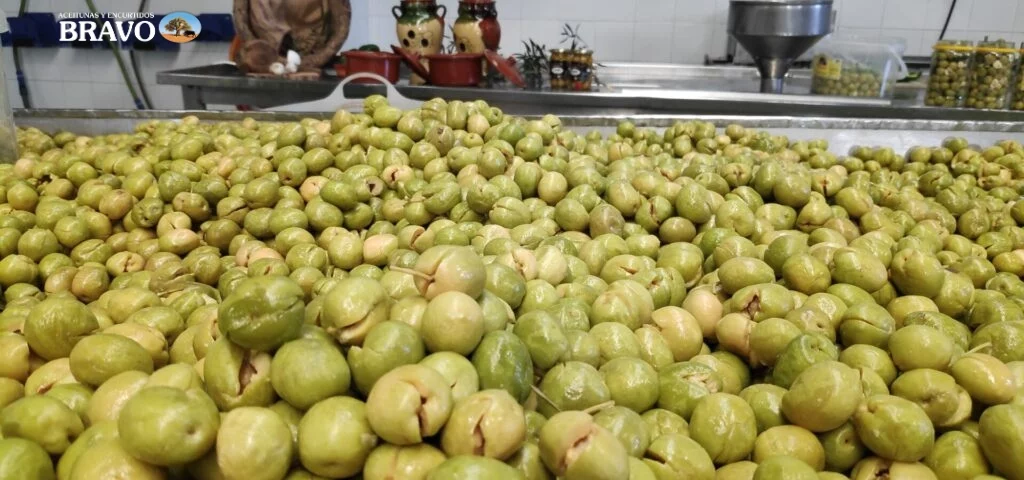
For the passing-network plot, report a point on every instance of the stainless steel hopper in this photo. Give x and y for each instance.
(776, 32)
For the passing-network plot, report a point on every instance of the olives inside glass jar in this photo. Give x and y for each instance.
(1018, 85)
(994, 65)
(836, 77)
(949, 78)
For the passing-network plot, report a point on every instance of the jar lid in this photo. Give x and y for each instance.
(954, 46)
(583, 52)
(477, 2)
(559, 50)
(984, 49)
(419, 2)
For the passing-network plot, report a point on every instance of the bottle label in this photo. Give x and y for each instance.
(828, 68)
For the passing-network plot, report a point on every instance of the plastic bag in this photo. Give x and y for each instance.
(856, 68)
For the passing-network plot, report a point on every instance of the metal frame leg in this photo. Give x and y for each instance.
(192, 97)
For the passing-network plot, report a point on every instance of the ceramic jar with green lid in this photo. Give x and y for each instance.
(477, 28)
(420, 28)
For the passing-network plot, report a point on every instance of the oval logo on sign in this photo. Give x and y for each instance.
(180, 27)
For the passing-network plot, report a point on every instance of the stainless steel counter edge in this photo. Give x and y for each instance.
(222, 84)
(32, 117)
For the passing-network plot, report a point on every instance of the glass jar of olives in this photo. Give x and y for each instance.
(995, 63)
(950, 74)
(1018, 85)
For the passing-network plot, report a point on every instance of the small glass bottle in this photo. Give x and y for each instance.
(561, 61)
(950, 74)
(582, 70)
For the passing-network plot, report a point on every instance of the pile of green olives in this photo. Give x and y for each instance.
(454, 293)
(950, 74)
(992, 73)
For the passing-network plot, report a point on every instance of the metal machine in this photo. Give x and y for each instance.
(776, 32)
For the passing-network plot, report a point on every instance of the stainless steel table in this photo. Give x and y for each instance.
(629, 89)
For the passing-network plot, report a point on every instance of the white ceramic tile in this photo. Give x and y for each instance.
(506, 10)
(111, 95)
(993, 15)
(379, 8)
(41, 63)
(719, 41)
(905, 14)
(850, 33)
(928, 40)
(48, 94)
(382, 30)
(602, 10)
(961, 15)
(103, 66)
(549, 32)
(865, 14)
(934, 13)
(972, 35)
(165, 96)
(543, 10)
(78, 95)
(511, 36)
(358, 32)
(654, 10)
(451, 6)
(1018, 23)
(155, 61)
(10, 7)
(690, 42)
(40, 6)
(107, 6)
(8, 57)
(613, 41)
(13, 95)
(68, 6)
(722, 10)
(649, 42)
(911, 39)
(694, 12)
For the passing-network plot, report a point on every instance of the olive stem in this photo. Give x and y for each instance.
(599, 407)
(544, 397)
(978, 348)
(412, 272)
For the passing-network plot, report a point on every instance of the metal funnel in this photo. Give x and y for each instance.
(776, 32)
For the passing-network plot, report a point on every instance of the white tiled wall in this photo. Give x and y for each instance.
(678, 31)
(683, 31)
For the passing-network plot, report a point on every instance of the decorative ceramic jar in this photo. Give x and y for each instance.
(477, 28)
(420, 28)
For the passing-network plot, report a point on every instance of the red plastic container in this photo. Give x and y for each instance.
(460, 69)
(385, 64)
